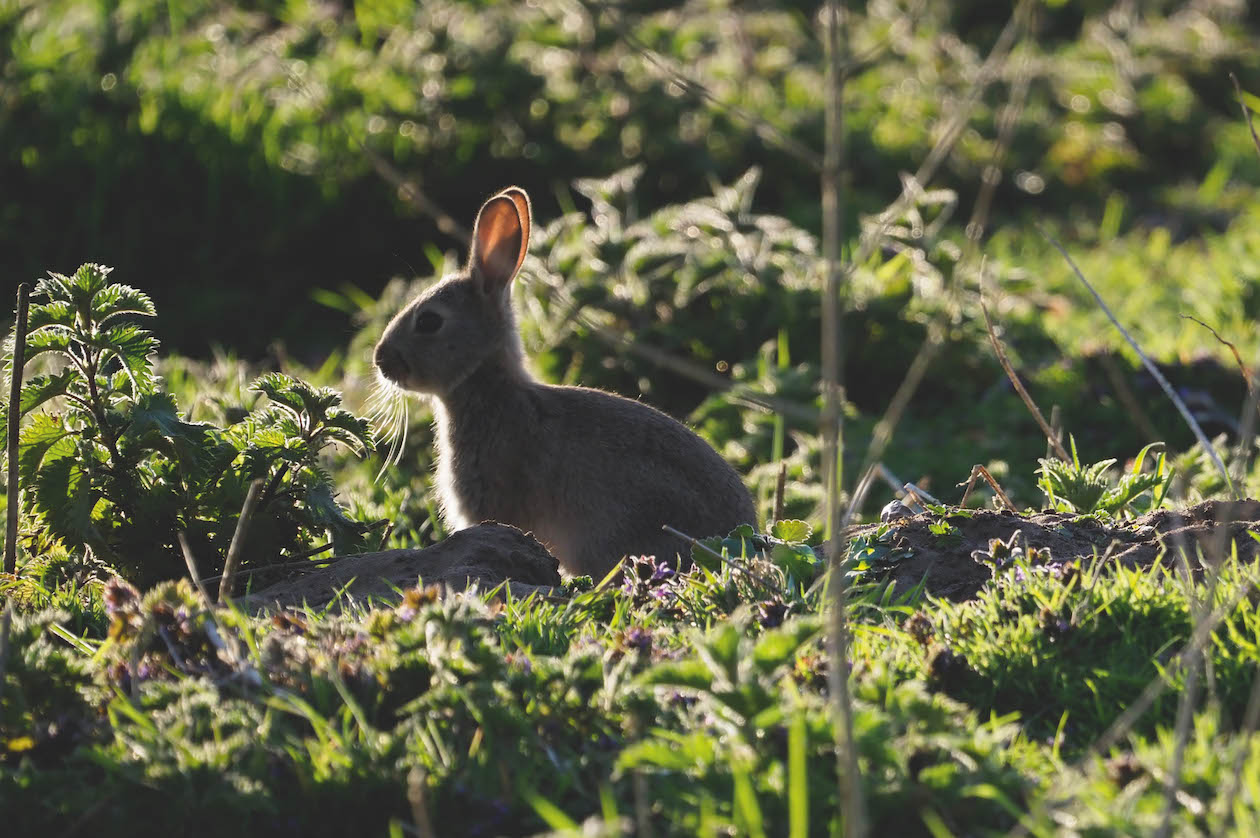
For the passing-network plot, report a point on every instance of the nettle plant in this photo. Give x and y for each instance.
(1071, 487)
(108, 464)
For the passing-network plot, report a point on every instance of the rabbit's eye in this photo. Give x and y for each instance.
(428, 322)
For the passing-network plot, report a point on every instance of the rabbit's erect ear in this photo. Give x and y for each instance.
(500, 239)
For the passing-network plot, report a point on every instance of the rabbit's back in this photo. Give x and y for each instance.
(592, 474)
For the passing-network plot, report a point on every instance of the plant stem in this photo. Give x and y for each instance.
(238, 540)
(849, 778)
(15, 416)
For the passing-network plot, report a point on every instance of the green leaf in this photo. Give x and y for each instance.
(345, 427)
(799, 560)
(50, 339)
(686, 674)
(44, 434)
(133, 347)
(87, 281)
(55, 288)
(64, 499)
(792, 531)
(118, 300)
(668, 751)
(46, 315)
(280, 388)
(778, 647)
(320, 502)
(156, 425)
(40, 389)
(742, 542)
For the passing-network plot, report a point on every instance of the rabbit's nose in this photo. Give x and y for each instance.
(391, 363)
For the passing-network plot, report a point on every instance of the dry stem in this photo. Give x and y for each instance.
(15, 416)
(1019, 387)
(238, 540)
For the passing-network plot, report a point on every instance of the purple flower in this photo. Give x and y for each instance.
(638, 637)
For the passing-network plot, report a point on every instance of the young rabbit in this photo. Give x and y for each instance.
(592, 475)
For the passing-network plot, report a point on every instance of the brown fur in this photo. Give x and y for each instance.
(593, 475)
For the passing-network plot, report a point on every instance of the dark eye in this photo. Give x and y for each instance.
(428, 322)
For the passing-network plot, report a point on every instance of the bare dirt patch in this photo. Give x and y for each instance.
(1203, 532)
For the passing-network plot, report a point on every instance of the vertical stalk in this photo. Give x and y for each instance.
(850, 787)
(15, 416)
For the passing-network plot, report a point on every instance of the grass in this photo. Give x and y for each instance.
(511, 717)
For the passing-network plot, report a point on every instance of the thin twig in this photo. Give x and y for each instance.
(1019, 387)
(304, 563)
(1246, 111)
(389, 530)
(238, 539)
(980, 471)
(206, 602)
(1150, 367)
(919, 495)
(15, 417)
(738, 565)
(1248, 377)
(849, 777)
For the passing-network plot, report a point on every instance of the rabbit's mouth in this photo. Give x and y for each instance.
(392, 364)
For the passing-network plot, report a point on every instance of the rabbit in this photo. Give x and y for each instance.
(592, 475)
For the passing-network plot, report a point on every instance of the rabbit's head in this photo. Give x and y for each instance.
(466, 319)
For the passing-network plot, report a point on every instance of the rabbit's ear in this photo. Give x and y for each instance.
(500, 239)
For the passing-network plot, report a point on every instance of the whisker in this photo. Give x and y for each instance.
(406, 422)
(394, 429)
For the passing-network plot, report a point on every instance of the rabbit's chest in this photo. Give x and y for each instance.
(488, 480)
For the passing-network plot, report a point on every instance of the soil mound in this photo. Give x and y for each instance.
(958, 563)
(485, 555)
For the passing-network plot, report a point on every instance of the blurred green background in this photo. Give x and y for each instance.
(264, 169)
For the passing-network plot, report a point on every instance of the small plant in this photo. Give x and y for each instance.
(110, 466)
(1069, 487)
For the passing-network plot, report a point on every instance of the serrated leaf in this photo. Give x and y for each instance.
(63, 498)
(118, 300)
(42, 435)
(133, 347)
(321, 504)
(799, 560)
(46, 315)
(38, 390)
(792, 531)
(280, 389)
(720, 649)
(345, 427)
(156, 423)
(742, 542)
(50, 339)
(55, 288)
(87, 281)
